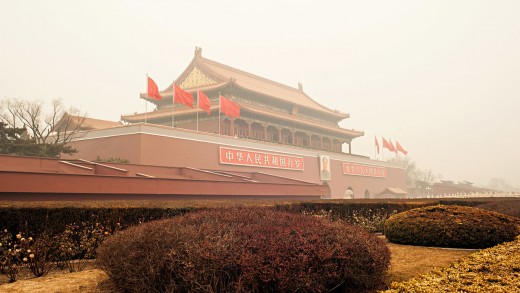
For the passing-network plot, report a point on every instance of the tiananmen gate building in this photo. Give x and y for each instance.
(280, 132)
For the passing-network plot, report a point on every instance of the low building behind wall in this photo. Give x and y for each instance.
(347, 175)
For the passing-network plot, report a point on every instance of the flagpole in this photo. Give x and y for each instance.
(385, 154)
(198, 110)
(375, 155)
(219, 112)
(173, 104)
(145, 101)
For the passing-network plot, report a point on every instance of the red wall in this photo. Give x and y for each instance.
(124, 146)
(149, 149)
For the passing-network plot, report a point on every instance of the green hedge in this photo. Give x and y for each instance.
(510, 207)
(346, 209)
(33, 221)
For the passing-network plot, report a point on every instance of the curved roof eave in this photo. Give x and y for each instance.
(353, 133)
(206, 66)
(337, 114)
(207, 63)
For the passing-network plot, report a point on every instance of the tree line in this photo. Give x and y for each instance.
(29, 128)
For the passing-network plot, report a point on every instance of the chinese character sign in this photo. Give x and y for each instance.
(243, 157)
(363, 170)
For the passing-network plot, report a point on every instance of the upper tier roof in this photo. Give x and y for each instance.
(219, 74)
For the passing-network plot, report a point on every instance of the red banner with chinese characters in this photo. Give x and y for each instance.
(253, 158)
(363, 170)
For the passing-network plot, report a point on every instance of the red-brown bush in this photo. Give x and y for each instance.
(244, 250)
(451, 226)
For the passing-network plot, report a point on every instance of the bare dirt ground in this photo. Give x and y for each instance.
(407, 262)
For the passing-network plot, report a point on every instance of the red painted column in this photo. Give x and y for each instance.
(232, 126)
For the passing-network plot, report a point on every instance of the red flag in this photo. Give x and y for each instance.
(229, 108)
(153, 90)
(377, 145)
(388, 145)
(400, 148)
(392, 145)
(181, 96)
(203, 102)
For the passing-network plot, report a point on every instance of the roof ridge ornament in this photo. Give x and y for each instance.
(198, 52)
(300, 86)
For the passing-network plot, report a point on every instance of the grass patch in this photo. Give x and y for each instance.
(411, 261)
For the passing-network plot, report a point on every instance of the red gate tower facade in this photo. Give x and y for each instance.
(280, 130)
(269, 111)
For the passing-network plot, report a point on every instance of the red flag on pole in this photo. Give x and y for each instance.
(377, 145)
(229, 108)
(388, 145)
(392, 145)
(153, 90)
(181, 96)
(400, 148)
(204, 102)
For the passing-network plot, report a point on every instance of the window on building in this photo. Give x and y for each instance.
(257, 131)
(241, 128)
(315, 142)
(325, 144)
(336, 146)
(272, 134)
(301, 139)
(225, 127)
(286, 136)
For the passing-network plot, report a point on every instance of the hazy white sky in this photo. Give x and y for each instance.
(441, 77)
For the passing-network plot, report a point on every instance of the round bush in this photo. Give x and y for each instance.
(244, 250)
(451, 226)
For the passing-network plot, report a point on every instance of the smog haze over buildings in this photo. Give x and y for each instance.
(441, 77)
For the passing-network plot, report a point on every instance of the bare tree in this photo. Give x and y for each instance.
(410, 168)
(52, 129)
(427, 177)
(500, 184)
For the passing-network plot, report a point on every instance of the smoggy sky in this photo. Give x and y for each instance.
(441, 77)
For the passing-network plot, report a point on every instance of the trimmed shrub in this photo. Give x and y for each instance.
(511, 207)
(369, 215)
(38, 219)
(244, 250)
(451, 226)
(77, 244)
